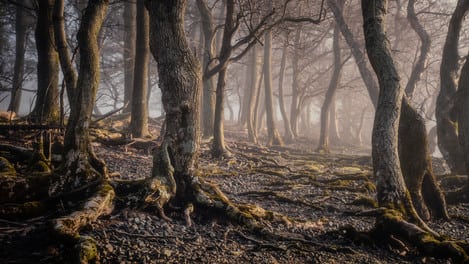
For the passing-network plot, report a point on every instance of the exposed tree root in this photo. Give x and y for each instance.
(392, 229)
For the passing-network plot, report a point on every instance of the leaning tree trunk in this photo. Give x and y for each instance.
(391, 189)
(130, 28)
(208, 94)
(81, 165)
(273, 137)
(20, 28)
(333, 85)
(445, 115)
(139, 114)
(47, 107)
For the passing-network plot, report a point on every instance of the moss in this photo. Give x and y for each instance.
(86, 250)
(370, 187)
(6, 168)
(366, 201)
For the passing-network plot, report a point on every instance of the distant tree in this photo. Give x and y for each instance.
(47, 106)
(288, 137)
(445, 115)
(20, 45)
(139, 114)
(130, 29)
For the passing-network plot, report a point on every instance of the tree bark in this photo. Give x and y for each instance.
(81, 165)
(254, 88)
(329, 97)
(47, 107)
(445, 116)
(294, 107)
(179, 81)
(130, 35)
(273, 137)
(20, 28)
(391, 188)
(139, 114)
(208, 94)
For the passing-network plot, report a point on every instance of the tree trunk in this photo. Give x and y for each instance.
(445, 116)
(130, 35)
(139, 114)
(294, 107)
(20, 28)
(68, 69)
(286, 122)
(391, 188)
(333, 85)
(208, 94)
(218, 147)
(81, 165)
(253, 97)
(333, 124)
(179, 81)
(47, 107)
(273, 137)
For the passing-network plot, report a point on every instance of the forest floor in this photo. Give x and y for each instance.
(325, 192)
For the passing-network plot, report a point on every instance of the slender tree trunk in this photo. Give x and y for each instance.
(273, 137)
(218, 147)
(286, 122)
(208, 94)
(47, 106)
(130, 35)
(68, 70)
(333, 124)
(253, 97)
(180, 83)
(20, 28)
(445, 116)
(139, 114)
(333, 85)
(81, 165)
(294, 107)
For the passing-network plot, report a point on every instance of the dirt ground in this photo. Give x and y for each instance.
(325, 193)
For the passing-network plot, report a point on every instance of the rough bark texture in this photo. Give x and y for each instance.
(20, 42)
(47, 106)
(445, 118)
(130, 35)
(329, 97)
(81, 166)
(273, 137)
(208, 94)
(139, 114)
(294, 107)
(391, 188)
(253, 95)
(179, 81)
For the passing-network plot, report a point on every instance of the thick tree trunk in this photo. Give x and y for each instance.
(130, 35)
(281, 100)
(47, 106)
(139, 114)
(179, 81)
(81, 166)
(20, 43)
(273, 137)
(333, 85)
(445, 116)
(391, 188)
(208, 94)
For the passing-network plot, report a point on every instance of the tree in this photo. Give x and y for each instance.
(139, 114)
(445, 116)
(20, 27)
(47, 107)
(286, 122)
(130, 28)
(273, 137)
(208, 94)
